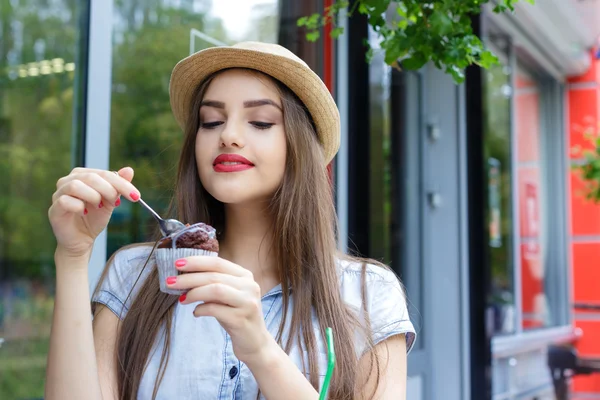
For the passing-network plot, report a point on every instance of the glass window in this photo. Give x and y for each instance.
(497, 87)
(149, 38)
(395, 181)
(541, 276)
(39, 143)
(380, 179)
(522, 147)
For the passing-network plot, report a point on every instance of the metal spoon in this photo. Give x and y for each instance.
(167, 226)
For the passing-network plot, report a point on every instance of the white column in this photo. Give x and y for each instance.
(97, 129)
(341, 170)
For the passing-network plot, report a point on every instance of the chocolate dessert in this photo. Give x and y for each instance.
(194, 240)
(200, 236)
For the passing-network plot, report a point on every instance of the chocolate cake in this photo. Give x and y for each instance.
(201, 237)
(194, 240)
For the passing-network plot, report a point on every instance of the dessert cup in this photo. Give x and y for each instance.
(195, 240)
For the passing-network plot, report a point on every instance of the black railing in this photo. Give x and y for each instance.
(565, 363)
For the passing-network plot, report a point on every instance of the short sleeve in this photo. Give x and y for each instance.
(121, 284)
(386, 303)
(385, 299)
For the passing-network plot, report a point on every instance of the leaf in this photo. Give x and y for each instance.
(440, 23)
(369, 55)
(302, 21)
(377, 7)
(336, 32)
(487, 59)
(415, 61)
(313, 36)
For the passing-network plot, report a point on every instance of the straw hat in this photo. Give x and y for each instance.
(271, 59)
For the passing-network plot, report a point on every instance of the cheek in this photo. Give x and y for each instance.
(203, 154)
(202, 148)
(278, 154)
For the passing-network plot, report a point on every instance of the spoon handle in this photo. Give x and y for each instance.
(154, 214)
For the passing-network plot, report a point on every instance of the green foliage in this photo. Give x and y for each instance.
(589, 169)
(414, 32)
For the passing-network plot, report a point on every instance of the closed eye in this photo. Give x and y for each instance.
(261, 125)
(211, 125)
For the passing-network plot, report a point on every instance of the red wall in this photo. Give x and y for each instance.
(583, 112)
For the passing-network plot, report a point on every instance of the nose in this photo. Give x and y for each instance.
(232, 135)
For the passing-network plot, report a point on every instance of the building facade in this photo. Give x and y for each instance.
(467, 191)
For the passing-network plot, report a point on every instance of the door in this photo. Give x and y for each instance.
(429, 229)
(402, 159)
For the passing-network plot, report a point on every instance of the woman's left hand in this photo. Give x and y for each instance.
(231, 295)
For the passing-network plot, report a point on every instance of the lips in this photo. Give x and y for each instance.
(231, 163)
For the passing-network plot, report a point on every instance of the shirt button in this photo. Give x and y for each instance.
(233, 372)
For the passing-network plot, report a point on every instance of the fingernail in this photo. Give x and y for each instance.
(135, 196)
(171, 280)
(100, 205)
(182, 298)
(118, 202)
(85, 211)
(180, 263)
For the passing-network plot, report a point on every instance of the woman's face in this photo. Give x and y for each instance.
(241, 145)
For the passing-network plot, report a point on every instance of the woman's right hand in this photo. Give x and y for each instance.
(83, 204)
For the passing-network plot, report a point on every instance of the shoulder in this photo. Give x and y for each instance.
(354, 272)
(376, 289)
(124, 274)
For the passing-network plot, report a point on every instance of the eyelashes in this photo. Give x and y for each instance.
(256, 124)
(210, 125)
(261, 125)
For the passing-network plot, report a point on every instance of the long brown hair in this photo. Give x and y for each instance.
(305, 228)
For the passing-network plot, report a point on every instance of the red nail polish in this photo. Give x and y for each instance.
(135, 196)
(85, 211)
(100, 205)
(182, 298)
(180, 263)
(118, 202)
(171, 280)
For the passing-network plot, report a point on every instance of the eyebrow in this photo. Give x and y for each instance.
(247, 104)
(261, 102)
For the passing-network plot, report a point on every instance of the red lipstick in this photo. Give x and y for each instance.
(231, 163)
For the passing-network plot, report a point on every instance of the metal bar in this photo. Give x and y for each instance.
(341, 170)
(196, 33)
(97, 143)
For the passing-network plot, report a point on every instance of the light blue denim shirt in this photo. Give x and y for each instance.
(202, 364)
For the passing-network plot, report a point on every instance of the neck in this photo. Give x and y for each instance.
(248, 241)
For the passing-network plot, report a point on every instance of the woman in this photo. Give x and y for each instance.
(260, 129)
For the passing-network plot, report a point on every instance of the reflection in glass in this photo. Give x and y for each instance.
(395, 223)
(38, 56)
(380, 179)
(149, 38)
(531, 189)
(497, 147)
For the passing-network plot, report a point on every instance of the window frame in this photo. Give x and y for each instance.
(554, 138)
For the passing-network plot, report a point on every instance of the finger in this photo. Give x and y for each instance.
(79, 190)
(211, 264)
(99, 184)
(126, 173)
(120, 181)
(66, 204)
(215, 293)
(219, 311)
(122, 184)
(197, 279)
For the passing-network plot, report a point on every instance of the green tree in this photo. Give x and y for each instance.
(414, 32)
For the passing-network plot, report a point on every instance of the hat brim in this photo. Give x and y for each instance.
(299, 78)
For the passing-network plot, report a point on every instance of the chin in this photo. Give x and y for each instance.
(245, 193)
